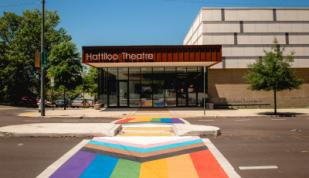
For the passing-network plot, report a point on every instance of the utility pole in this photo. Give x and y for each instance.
(43, 61)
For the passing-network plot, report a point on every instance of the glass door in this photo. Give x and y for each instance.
(146, 87)
(123, 93)
(182, 93)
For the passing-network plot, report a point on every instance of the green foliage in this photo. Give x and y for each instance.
(64, 65)
(273, 71)
(90, 84)
(19, 39)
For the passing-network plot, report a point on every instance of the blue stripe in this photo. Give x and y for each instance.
(166, 120)
(145, 150)
(101, 167)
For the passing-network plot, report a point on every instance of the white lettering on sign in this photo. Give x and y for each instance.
(126, 57)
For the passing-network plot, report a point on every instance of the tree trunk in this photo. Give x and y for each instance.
(275, 101)
(64, 101)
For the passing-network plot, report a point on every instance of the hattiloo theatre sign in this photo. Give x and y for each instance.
(152, 56)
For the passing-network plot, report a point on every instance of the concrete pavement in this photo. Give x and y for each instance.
(107, 129)
(60, 130)
(176, 112)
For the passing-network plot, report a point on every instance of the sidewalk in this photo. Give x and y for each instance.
(80, 113)
(175, 112)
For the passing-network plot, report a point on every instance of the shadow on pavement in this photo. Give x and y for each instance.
(281, 114)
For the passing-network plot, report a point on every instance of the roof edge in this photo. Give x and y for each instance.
(256, 8)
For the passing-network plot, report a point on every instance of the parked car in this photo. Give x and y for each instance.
(80, 102)
(28, 101)
(47, 103)
(61, 102)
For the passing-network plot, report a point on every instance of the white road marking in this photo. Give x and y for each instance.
(242, 120)
(278, 119)
(34, 121)
(206, 120)
(228, 168)
(53, 167)
(258, 167)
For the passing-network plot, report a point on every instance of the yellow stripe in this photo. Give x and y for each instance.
(154, 169)
(142, 119)
(147, 128)
(146, 134)
(181, 167)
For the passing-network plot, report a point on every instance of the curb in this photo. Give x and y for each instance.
(39, 130)
(196, 130)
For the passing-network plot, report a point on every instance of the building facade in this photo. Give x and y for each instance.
(244, 34)
(152, 76)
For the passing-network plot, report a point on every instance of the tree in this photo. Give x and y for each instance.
(90, 82)
(273, 72)
(21, 38)
(65, 66)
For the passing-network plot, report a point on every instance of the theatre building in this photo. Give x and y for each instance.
(215, 55)
(244, 34)
(152, 76)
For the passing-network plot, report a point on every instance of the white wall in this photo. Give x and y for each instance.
(259, 29)
(260, 39)
(292, 15)
(276, 27)
(248, 15)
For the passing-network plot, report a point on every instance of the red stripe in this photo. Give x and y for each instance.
(122, 121)
(206, 165)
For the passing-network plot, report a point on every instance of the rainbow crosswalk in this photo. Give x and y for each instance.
(142, 157)
(150, 120)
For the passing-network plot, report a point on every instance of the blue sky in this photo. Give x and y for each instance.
(133, 22)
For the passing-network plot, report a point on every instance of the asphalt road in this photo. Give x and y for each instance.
(254, 141)
(10, 116)
(264, 141)
(28, 157)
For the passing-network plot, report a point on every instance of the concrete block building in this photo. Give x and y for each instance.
(244, 34)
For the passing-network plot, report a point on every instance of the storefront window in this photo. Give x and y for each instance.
(170, 86)
(193, 83)
(112, 86)
(146, 87)
(152, 86)
(158, 87)
(123, 73)
(135, 87)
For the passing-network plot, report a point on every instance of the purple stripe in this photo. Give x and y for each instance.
(176, 120)
(75, 166)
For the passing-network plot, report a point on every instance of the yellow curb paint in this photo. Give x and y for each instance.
(29, 114)
(154, 169)
(181, 167)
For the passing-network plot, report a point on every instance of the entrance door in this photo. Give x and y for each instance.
(146, 95)
(182, 93)
(123, 94)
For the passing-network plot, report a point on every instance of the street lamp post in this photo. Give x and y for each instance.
(42, 61)
(204, 76)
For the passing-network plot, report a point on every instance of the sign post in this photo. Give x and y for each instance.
(43, 61)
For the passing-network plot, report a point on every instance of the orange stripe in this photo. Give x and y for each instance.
(206, 165)
(154, 169)
(181, 167)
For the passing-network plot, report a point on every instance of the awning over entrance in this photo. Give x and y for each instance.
(152, 56)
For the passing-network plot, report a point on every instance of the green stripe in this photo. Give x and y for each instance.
(156, 119)
(127, 169)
